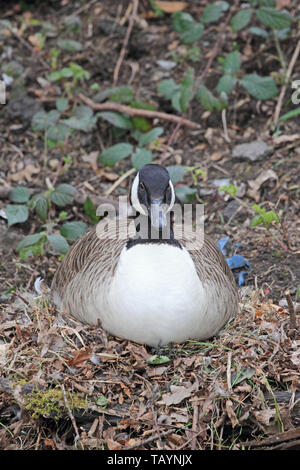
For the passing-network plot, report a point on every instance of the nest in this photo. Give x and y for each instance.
(65, 385)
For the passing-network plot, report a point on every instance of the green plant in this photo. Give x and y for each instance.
(23, 204)
(264, 217)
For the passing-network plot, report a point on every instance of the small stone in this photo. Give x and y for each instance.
(252, 151)
(166, 64)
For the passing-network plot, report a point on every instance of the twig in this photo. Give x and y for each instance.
(293, 320)
(77, 437)
(136, 112)
(228, 372)
(286, 80)
(126, 39)
(119, 181)
(224, 122)
(150, 439)
(195, 425)
(29, 47)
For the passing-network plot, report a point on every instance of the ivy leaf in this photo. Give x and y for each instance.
(122, 94)
(187, 89)
(118, 120)
(70, 45)
(16, 213)
(61, 104)
(182, 21)
(40, 205)
(208, 100)
(232, 63)
(241, 19)
(226, 84)
(185, 193)
(213, 12)
(193, 34)
(148, 137)
(58, 132)
(19, 194)
(90, 210)
(168, 88)
(59, 243)
(83, 119)
(258, 31)
(63, 195)
(115, 154)
(176, 173)
(273, 18)
(41, 121)
(262, 88)
(30, 240)
(73, 230)
(141, 157)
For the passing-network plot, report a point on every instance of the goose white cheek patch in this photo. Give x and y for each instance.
(134, 196)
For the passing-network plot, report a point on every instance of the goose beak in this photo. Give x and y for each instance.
(158, 213)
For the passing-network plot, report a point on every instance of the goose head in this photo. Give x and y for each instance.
(152, 194)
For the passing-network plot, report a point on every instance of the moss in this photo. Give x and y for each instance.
(50, 403)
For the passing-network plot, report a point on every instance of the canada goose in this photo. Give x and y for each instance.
(147, 288)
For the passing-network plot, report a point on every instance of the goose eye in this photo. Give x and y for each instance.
(142, 186)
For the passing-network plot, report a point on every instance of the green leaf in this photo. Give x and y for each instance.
(63, 195)
(232, 63)
(16, 213)
(182, 21)
(70, 45)
(141, 157)
(58, 132)
(257, 220)
(176, 173)
(41, 120)
(226, 84)
(62, 104)
(187, 85)
(273, 18)
(213, 12)
(54, 76)
(122, 94)
(102, 401)
(207, 99)
(141, 123)
(241, 19)
(83, 119)
(185, 193)
(30, 240)
(73, 230)
(157, 359)
(262, 88)
(118, 120)
(19, 194)
(115, 154)
(258, 31)
(41, 208)
(168, 88)
(148, 137)
(90, 210)
(289, 115)
(193, 34)
(59, 243)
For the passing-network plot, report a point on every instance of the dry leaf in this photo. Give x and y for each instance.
(79, 356)
(177, 394)
(231, 413)
(264, 416)
(171, 7)
(91, 158)
(113, 445)
(25, 174)
(216, 156)
(283, 139)
(258, 182)
(282, 4)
